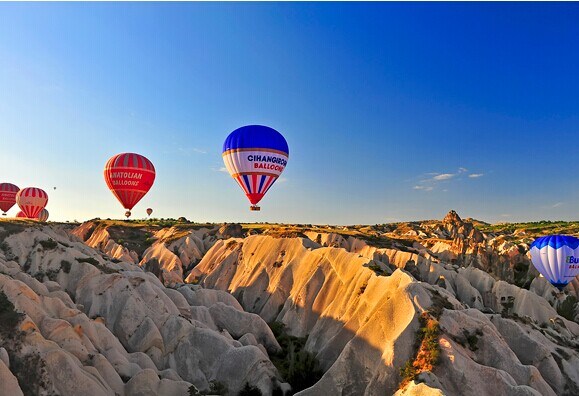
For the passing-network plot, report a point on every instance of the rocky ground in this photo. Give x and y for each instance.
(449, 307)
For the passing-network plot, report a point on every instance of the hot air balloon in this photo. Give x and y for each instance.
(8, 193)
(21, 215)
(31, 201)
(255, 156)
(43, 215)
(556, 257)
(149, 211)
(129, 176)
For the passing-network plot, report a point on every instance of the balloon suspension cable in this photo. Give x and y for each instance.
(254, 208)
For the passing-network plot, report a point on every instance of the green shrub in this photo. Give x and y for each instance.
(90, 260)
(93, 261)
(39, 276)
(277, 391)
(428, 351)
(66, 266)
(249, 390)
(9, 317)
(154, 267)
(378, 270)
(408, 373)
(194, 391)
(4, 246)
(567, 308)
(297, 366)
(48, 244)
(472, 339)
(218, 388)
(52, 274)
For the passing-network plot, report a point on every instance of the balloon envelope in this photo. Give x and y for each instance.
(31, 201)
(8, 193)
(255, 156)
(556, 257)
(129, 176)
(43, 215)
(21, 215)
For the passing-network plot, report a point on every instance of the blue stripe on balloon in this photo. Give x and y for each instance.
(561, 285)
(256, 136)
(261, 183)
(556, 241)
(247, 183)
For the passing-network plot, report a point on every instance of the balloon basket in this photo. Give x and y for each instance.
(254, 208)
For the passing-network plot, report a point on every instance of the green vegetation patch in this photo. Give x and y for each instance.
(378, 270)
(534, 228)
(133, 238)
(215, 388)
(93, 261)
(48, 244)
(297, 366)
(11, 227)
(428, 350)
(249, 390)
(9, 317)
(567, 308)
(29, 370)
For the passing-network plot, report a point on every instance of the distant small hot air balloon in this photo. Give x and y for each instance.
(43, 215)
(21, 215)
(31, 201)
(8, 193)
(129, 176)
(149, 211)
(255, 156)
(556, 257)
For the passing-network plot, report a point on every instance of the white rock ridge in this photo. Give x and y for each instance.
(93, 326)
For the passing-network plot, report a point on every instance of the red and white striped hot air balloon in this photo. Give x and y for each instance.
(129, 176)
(31, 201)
(43, 215)
(8, 193)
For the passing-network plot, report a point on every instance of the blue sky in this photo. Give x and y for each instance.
(392, 111)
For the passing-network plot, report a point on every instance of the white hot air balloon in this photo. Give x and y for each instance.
(556, 257)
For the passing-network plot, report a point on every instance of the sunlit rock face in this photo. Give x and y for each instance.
(363, 327)
(85, 324)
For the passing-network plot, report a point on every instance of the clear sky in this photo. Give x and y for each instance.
(392, 112)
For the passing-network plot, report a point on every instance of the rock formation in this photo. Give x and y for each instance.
(88, 325)
(451, 307)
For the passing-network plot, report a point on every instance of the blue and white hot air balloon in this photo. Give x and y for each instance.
(255, 156)
(556, 257)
